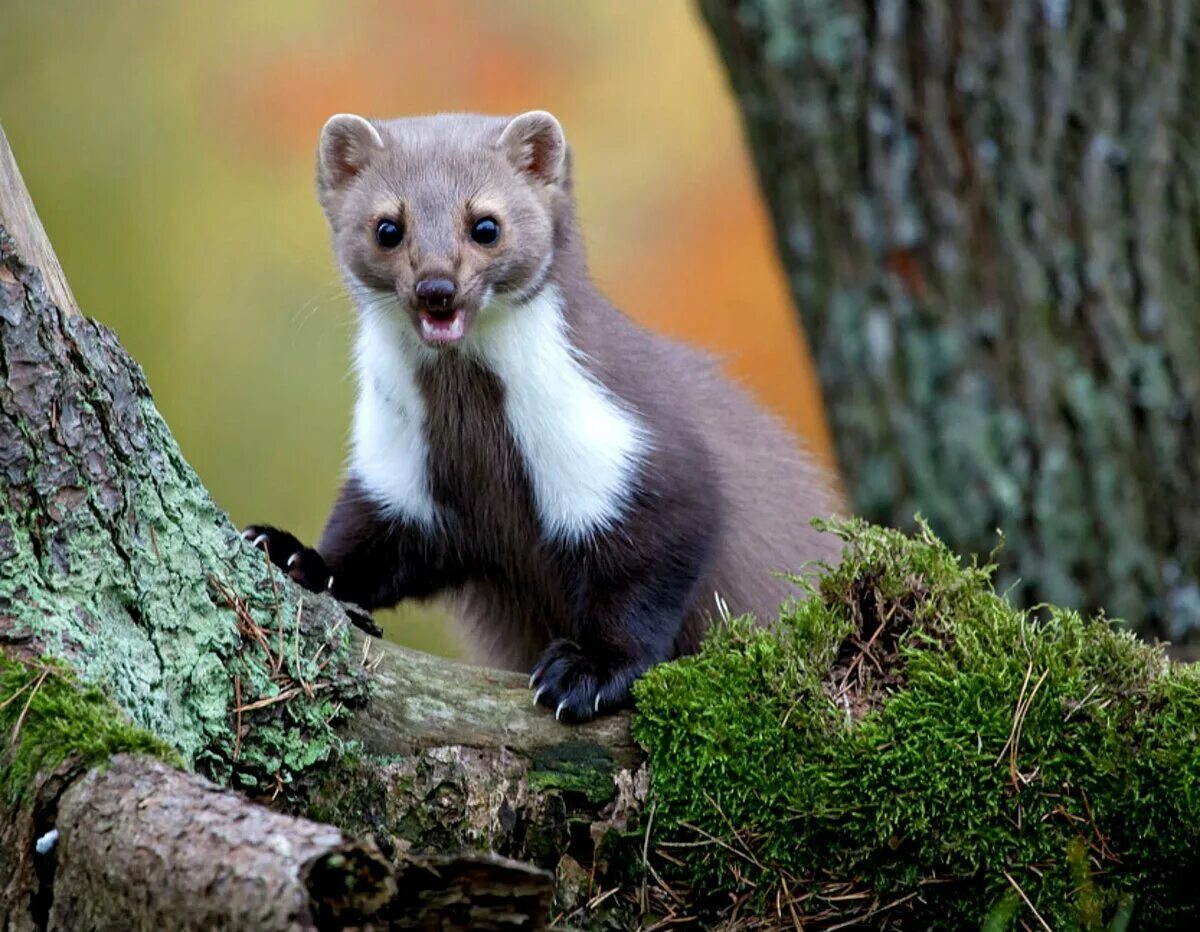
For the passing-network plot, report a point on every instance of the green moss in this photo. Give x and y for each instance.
(866, 744)
(347, 794)
(574, 767)
(46, 716)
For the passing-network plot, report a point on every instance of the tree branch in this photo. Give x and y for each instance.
(25, 227)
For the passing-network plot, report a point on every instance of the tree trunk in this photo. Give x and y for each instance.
(117, 570)
(988, 213)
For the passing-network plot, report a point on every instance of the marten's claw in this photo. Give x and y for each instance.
(577, 688)
(303, 564)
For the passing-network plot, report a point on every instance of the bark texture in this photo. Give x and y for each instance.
(114, 560)
(453, 757)
(987, 211)
(138, 845)
(145, 846)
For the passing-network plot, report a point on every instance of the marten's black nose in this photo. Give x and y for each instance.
(435, 294)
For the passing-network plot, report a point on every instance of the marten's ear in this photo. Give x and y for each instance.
(347, 144)
(535, 144)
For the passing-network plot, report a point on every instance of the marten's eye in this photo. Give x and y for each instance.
(389, 234)
(486, 231)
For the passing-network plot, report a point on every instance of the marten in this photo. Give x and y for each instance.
(580, 487)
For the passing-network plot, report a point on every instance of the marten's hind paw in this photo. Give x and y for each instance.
(303, 564)
(574, 686)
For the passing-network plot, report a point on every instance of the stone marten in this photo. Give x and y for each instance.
(577, 485)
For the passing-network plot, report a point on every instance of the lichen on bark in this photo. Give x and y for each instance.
(114, 559)
(985, 211)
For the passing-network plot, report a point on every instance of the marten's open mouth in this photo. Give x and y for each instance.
(442, 328)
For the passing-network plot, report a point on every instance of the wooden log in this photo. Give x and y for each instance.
(144, 846)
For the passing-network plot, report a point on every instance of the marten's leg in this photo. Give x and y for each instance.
(363, 556)
(631, 600)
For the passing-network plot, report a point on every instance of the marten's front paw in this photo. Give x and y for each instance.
(303, 564)
(576, 687)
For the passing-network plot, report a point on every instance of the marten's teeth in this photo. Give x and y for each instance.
(449, 329)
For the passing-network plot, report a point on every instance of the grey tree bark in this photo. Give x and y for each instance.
(212, 860)
(988, 214)
(409, 791)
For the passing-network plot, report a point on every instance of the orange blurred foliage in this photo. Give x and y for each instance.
(712, 279)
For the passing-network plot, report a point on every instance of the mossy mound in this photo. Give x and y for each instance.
(47, 716)
(907, 749)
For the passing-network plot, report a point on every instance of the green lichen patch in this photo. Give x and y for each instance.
(47, 716)
(115, 560)
(290, 683)
(906, 747)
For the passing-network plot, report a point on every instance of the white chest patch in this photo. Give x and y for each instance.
(388, 452)
(581, 446)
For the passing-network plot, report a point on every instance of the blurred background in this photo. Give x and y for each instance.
(169, 148)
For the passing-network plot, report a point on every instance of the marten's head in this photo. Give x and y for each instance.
(436, 216)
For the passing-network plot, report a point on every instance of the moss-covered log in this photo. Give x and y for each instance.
(987, 213)
(118, 569)
(98, 839)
